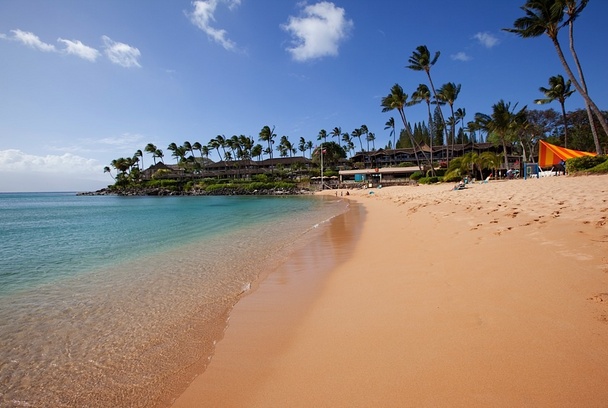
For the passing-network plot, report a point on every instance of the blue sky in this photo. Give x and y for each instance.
(85, 82)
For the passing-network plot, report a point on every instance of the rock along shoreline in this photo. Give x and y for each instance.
(197, 192)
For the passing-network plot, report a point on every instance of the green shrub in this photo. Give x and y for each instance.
(601, 168)
(438, 172)
(428, 180)
(584, 163)
(417, 175)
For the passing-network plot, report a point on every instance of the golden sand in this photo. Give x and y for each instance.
(495, 295)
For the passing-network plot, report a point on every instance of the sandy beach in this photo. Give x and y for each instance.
(495, 295)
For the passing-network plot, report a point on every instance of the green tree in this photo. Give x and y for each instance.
(332, 154)
(357, 133)
(558, 91)
(397, 99)
(267, 135)
(448, 93)
(546, 17)
(151, 148)
(421, 61)
(501, 122)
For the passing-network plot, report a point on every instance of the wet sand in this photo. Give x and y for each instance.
(496, 295)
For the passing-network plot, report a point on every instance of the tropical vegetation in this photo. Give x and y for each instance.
(515, 131)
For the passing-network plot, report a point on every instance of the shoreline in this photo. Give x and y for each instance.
(493, 295)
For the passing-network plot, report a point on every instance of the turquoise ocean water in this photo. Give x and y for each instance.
(116, 301)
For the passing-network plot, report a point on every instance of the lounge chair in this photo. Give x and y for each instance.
(485, 181)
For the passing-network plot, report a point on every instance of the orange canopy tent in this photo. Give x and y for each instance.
(549, 155)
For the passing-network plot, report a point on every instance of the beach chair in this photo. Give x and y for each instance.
(485, 181)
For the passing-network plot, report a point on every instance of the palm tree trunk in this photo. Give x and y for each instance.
(566, 124)
(445, 128)
(413, 141)
(583, 84)
(584, 94)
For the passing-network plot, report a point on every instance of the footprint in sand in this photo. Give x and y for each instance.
(599, 298)
(601, 222)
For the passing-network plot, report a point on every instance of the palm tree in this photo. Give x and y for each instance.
(421, 61)
(347, 142)
(423, 93)
(491, 160)
(257, 151)
(371, 137)
(558, 91)
(397, 99)
(267, 135)
(188, 147)
(365, 131)
(459, 114)
(322, 135)
(337, 132)
(178, 151)
(302, 145)
(390, 124)
(108, 170)
(545, 17)
(158, 153)
(151, 148)
(472, 161)
(357, 133)
(448, 94)
(501, 122)
(140, 155)
(309, 146)
(214, 143)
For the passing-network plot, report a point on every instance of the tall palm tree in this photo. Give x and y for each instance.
(545, 17)
(397, 99)
(188, 147)
(257, 151)
(322, 136)
(423, 93)
(159, 153)
(267, 135)
(309, 146)
(302, 145)
(501, 122)
(214, 143)
(390, 124)
(573, 9)
(140, 156)
(459, 115)
(151, 148)
(371, 137)
(364, 132)
(109, 171)
(336, 132)
(175, 151)
(421, 61)
(448, 93)
(357, 133)
(558, 91)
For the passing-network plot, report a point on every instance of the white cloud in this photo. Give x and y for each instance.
(203, 16)
(460, 56)
(120, 53)
(13, 160)
(125, 141)
(31, 40)
(80, 50)
(318, 32)
(486, 39)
